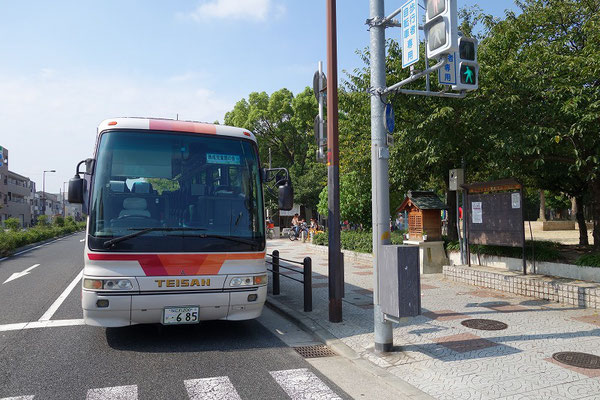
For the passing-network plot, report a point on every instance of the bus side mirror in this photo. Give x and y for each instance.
(286, 196)
(76, 190)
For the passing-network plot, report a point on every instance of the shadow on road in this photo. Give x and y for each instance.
(206, 336)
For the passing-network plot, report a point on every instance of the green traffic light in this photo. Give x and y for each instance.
(468, 75)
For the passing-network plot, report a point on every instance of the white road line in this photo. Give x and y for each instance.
(17, 275)
(82, 240)
(217, 388)
(301, 384)
(40, 324)
(18, 398)
(129, 392)
(57, 303)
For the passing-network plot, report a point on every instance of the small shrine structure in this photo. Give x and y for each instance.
(424, 215)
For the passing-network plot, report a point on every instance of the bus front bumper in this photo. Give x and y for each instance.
(132, 309)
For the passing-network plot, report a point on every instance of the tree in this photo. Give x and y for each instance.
(283, 123)
(541, 89)
(355, 199)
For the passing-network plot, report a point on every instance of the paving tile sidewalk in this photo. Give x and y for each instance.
(445, 359)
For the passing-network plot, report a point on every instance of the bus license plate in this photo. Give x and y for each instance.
(180, 315)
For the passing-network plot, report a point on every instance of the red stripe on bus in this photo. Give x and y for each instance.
(182, 126)
(177, 264)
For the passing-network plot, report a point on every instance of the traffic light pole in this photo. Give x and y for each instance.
(336, 278)
(379, 171)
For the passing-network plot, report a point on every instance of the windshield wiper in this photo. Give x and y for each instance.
(232, 238)
(142, 231)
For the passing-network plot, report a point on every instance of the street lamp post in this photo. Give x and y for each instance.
(44, 190)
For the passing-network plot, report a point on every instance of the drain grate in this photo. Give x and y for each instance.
(575, 359)
(484, 324)
(315, 351)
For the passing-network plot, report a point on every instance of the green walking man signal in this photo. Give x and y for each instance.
(468, 75)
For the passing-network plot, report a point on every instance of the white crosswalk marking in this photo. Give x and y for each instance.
(18, 398)
(113, 393)
(218, 388)
(301, 384)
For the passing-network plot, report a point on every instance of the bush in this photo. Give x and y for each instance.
(543, 250)
(361, 241)
(42, 220)
(59, 220)
(589, 260)
(13, 224)
(9, 241)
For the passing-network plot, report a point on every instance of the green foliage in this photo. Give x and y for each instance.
(543, 250)
(13, 224)
(58, 220)
(9, 241)
(589, 260)
(355, 199)
(360, 241)
(283, 123)
(557, 201)
(42, 220)
(163, 184)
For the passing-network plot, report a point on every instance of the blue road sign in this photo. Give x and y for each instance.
(410, 33)
(447, 74)
(389, 118)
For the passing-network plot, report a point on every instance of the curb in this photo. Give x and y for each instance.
(32, 246)
(311, 326)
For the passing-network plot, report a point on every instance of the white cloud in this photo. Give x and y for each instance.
(48, 121)
(257, 10)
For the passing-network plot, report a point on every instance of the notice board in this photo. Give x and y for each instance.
(496, 218)
(494, 213)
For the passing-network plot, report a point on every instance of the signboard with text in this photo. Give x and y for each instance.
(410, 33)
(447, 74)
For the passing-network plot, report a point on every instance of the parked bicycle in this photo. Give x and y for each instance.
(299, 232)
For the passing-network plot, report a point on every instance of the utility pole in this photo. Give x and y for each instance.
(336, 278)
(63, 201)
(380, 184)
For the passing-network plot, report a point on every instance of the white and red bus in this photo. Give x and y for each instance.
(176, 227)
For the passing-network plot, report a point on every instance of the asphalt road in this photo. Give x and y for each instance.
(213, 360)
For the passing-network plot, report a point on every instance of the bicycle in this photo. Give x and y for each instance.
(295, 234)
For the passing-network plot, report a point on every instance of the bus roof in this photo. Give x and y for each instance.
(160, 124)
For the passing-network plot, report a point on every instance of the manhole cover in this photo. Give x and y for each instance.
(484, 324)
(581, 360)
(314, 351)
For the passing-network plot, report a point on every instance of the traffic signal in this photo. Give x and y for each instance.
(468, 68)
(441, 28)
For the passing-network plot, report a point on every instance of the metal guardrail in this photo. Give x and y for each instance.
(306, 273)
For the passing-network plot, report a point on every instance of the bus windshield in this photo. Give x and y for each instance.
(181, 192)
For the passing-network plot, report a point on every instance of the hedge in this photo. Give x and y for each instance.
(543, 250)
(361, 241)
(589, 260)
(12, 240)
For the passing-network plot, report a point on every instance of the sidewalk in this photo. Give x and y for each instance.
(441, 357)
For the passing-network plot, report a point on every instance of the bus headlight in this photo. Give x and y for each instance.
(248, 281)
(107, 284)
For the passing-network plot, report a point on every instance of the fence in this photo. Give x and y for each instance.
(306, 272)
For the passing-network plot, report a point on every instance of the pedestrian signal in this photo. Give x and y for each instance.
(467, 65)
(441, 28)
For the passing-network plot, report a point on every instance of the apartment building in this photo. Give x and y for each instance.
(17, 193)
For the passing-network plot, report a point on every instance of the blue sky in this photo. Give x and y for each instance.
(67, 65)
